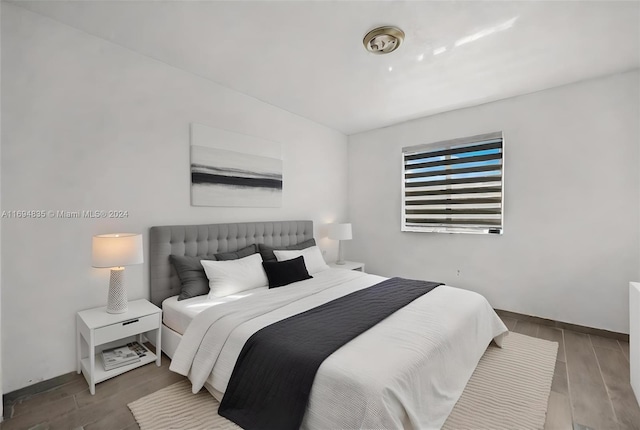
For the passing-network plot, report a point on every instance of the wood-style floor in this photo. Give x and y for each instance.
(590, 390)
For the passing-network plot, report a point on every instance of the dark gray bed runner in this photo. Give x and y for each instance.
(271, 381)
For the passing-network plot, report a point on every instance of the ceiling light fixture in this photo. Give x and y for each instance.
(383, 40)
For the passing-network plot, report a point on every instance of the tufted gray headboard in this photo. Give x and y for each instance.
(196, 240)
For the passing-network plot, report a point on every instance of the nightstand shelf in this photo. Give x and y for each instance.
(97, 327)
(100, 374)
(348, 265)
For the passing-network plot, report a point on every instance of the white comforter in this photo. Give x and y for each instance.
(408, 371)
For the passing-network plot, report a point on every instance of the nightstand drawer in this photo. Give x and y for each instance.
(126, 328)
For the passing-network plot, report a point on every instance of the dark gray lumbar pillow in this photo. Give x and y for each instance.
(194, 280)
(267, 251)
(281, 273)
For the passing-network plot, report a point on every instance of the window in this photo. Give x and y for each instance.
(454, 186)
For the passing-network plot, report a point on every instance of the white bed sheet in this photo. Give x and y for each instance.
(406, 372)
(178, 314)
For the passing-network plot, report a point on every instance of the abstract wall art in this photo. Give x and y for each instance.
(234, 169)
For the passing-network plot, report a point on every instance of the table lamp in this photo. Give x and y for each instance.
(340, 232)
(116, 251)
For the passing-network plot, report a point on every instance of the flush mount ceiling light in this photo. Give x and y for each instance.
(383, 40)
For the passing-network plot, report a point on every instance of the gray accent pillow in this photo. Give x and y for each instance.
(191, 273)
(192, 277)
(267, 251)
(240, 253)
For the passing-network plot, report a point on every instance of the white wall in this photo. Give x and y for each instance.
(570, 243)
(88, 124)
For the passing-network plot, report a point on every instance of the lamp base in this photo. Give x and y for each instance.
(340, 254)
(117, 303)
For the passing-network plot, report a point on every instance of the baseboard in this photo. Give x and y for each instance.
(559, 324)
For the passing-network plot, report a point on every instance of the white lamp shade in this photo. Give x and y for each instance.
(340, 231)
(115, 250)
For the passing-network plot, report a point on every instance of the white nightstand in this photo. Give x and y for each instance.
(349, 265)
(98, 327)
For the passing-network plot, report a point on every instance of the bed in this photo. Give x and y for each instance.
(405, 372)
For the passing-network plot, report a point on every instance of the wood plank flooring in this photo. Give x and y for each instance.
(71, 406)
(590, 390)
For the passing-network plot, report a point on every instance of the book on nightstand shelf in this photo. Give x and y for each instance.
(138, 349)
(122, 355)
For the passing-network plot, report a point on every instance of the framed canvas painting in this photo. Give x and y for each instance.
(231, 169)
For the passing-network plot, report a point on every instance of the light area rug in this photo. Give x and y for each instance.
(508, 390)
(510, 387)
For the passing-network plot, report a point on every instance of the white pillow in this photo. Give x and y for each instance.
(312, 258)
(232, 276)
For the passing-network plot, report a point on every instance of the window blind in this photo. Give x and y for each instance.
(454, 186)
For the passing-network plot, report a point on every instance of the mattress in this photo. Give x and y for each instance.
(178, 314)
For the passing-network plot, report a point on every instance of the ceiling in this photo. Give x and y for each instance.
(307, 57)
